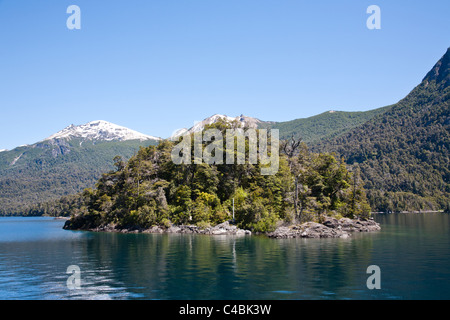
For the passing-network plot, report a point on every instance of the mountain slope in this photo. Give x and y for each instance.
(63, 164)
(325, 125)
(403, 154)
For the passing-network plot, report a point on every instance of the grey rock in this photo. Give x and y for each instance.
(359, 225)
(330, 228)
(331, 223)
(224, 228)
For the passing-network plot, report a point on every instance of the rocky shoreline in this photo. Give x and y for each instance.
(225, 228)
(330, 228)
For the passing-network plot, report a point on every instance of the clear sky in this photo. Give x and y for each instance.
(158, 65)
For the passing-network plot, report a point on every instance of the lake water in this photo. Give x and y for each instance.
(412, 252)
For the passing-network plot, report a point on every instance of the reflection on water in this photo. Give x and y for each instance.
(411, 250)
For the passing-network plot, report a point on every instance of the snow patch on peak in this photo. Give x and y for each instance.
(100, 130)
(242, 120)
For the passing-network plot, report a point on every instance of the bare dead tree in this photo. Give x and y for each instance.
(290, 147)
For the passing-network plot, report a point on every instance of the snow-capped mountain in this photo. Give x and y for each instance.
(100, 130)
(65, 163)
(243, 121)
(2, 150)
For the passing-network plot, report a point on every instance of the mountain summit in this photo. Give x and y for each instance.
(243, 121)
(441, 71)
(100, 130)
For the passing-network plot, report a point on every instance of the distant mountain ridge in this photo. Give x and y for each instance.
(74, 158)
(310, 130)
(325, 125)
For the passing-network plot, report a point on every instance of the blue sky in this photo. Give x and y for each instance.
(159, 65)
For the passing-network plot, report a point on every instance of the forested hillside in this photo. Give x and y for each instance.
(403, 154)
(31, 177)
(325, 125)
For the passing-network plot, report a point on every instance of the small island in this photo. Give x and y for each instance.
(311, 195)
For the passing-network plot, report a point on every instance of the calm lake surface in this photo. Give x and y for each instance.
(412, 251)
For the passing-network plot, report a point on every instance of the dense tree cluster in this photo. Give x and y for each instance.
(151, 190)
